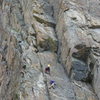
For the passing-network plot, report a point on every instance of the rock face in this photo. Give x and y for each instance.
(10, 65)
(62, 33)
(77, 31)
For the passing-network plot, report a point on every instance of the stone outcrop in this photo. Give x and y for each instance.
(10, 65)
(77, 31)
(62, 33)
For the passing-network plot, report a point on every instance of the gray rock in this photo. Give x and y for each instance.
(35, 33)
(80, 70)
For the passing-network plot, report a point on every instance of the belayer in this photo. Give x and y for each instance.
(52, 84)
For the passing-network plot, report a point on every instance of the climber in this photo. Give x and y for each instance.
(47, 69)
(52, 84)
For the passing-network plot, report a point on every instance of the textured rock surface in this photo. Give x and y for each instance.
(78, 33)
(62, 33)
(10, 65)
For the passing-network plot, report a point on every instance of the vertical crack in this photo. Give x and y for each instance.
(45, 79)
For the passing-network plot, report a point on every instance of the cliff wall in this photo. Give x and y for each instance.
(62, 33)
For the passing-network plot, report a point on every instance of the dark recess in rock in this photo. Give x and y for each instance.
(80, 70)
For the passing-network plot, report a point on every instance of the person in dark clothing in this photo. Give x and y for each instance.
(47, 69)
